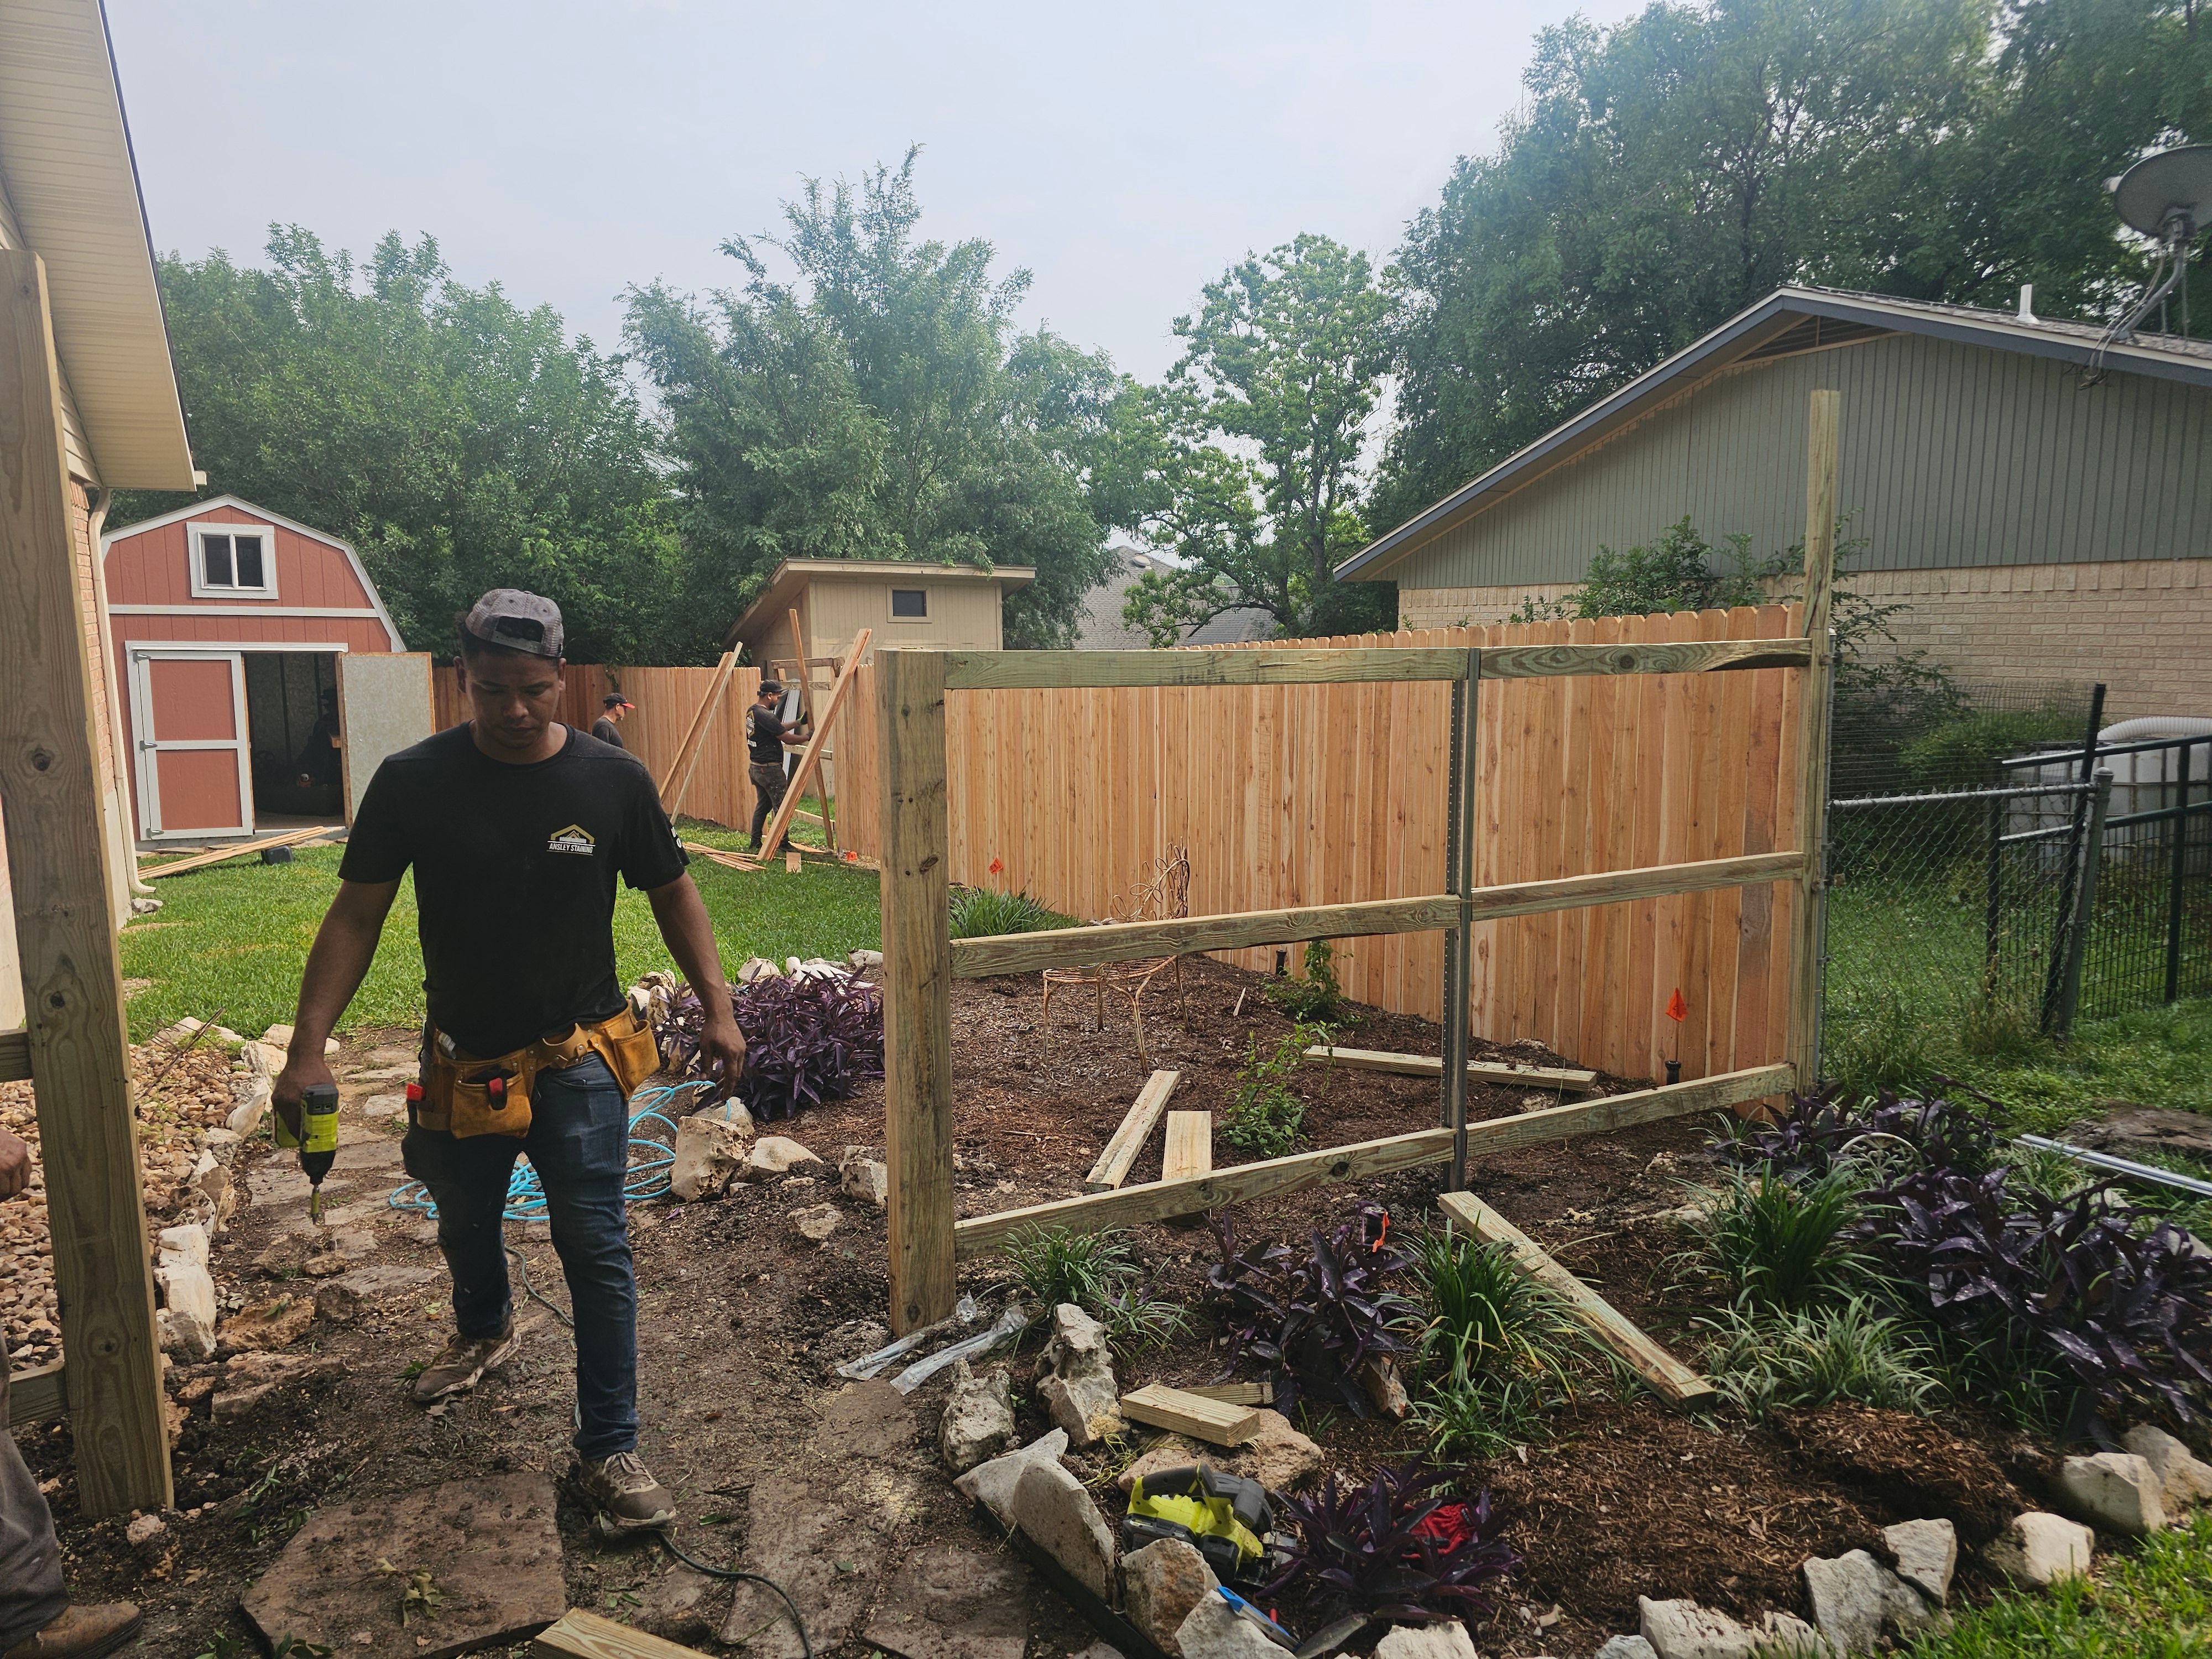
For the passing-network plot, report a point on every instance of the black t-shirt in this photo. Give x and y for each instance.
(604, 730)
(764, 736)
(515, 877)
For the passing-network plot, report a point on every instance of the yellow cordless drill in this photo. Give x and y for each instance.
(317, 1138)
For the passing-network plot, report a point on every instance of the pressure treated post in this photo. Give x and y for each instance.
(72, 988)
(1459, 942)
(1821, 455)
(917, 985)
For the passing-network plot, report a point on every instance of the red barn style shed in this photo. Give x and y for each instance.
(227, 620)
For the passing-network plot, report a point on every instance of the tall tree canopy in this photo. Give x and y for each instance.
(1246, 462)
(1665, 174)
(458, 441)
(879, 406)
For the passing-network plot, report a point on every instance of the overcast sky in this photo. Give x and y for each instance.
(1125, 155)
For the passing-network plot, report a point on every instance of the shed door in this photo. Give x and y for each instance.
(188, 709)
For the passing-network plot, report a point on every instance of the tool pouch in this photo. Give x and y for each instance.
(465, 1097)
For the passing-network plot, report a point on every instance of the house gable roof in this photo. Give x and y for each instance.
(1790, 320)
(790, 577)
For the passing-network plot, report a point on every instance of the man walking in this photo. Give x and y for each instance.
(766, 739)
(612, 708)
(516, 827)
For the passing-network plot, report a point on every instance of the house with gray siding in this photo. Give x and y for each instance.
(2038, 499)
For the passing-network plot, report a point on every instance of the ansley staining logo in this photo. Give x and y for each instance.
(573, 839)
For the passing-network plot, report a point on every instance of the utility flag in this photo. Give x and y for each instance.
(1677, 1010)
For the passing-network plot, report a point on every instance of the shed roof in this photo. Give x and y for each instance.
(792, 575)
(66, 168)
(1789, 320)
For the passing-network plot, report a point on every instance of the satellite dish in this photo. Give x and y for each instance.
(2168, 195)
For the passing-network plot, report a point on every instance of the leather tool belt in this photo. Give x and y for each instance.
(465, 1095)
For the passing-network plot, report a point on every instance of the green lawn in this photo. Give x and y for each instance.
(2153, 1602)
(235, 936)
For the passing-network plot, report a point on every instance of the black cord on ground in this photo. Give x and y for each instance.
(807, 1647)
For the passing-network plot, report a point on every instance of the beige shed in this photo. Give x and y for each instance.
(953, 607)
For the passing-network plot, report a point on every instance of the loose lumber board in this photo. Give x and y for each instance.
(1674, 1380)
(1112, 1167)
(1235, 1394)
(999, 671)
(1159, 1200)
(1189, 1150)
(1129, 941)
(1194, 1415)
(216, 855)
(1520, 662)
(1822, 450)
(36, 1393)
(15, 1056)
(672, 786)
(1489, 1071)
(57, 852)
(811, 756)
(581, 1634)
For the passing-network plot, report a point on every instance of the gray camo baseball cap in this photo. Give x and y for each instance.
(508, 617)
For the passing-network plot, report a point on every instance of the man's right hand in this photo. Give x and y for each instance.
(301, 1073)
(14, 1164)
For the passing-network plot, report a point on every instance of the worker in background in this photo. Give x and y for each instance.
(321, 761)
(37, 1619)
(516, 827)
(612, 708)
(766, 739)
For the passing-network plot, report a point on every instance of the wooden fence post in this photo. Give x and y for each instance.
(1821, 460)
(917, 985)
(58, 855)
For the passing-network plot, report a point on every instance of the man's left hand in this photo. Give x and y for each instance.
(15, 1162)
(722, 1049)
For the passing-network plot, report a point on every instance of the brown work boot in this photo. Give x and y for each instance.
(625, 1494)
(82, 1631)
(461, 1362)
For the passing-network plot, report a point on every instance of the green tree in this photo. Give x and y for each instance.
(459, 441)
(1245, 465)
(881, 406)
(1665, 174)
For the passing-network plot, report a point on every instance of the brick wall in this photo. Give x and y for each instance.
(2143, 626)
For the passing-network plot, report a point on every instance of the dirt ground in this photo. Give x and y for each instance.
(741, 1322)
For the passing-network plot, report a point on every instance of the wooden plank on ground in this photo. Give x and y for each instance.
(1189, 1149)
(1519, 662)
(581, 1634)
(1235, 1394)
(991, 670)
(37, 1393)
(1487, 1071)
(216, 855)
(1673, 1381)
(1158, 1200)
(1195, 1414)
(811, 756)
(686, 759)
(1112, 1167)
(56, 850)
(15, 1056)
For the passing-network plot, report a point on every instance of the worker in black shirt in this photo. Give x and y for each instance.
(612, 708)
(766, 739)
(516, 827)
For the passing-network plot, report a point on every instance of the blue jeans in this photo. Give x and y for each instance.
(578, 1144)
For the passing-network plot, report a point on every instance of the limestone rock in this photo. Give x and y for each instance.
(1446, 1640)
(276, 1323)
(1683, 1630)
(1856, 1601)
(1051, 1507)
(1160, 1584)
(861, 1176)
(279, 1037)
(383, 1106)
(1172, 1453)
(249, 1098)
(774, 1155)
(993, 1484)
(1078, 1387)
(979, 1418)
(709, 1148)
(2039, 1548)
(1927, 1554)
(866, 958)
(1627, 1647)
(952, 1600)
(757, 968)
(2114, 1492)
(1282, 1459)
(1378, 1378)
(183, 1336)
(815, 1221)
(1214, 1631)
(193, 1243)
(339, 1303)
(187, 1286)
(2184, 1478)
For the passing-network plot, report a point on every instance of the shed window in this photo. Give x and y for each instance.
(231, 561)
(909, 602)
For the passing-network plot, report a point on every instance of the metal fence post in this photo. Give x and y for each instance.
(2054, 979)
(2175, 878)
(2085, 902)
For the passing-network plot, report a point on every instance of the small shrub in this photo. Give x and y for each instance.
(1097, 1272)
(1263, 1116)
(1309, 1322)
(807, 1040)
(1785, 1246)
(1398, 1548)
(1961, 753)
(1485, 1316)
(1821, 1132)
(1768, 1362)
(1317, 999)
(1483, 1414)
(980, 912)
